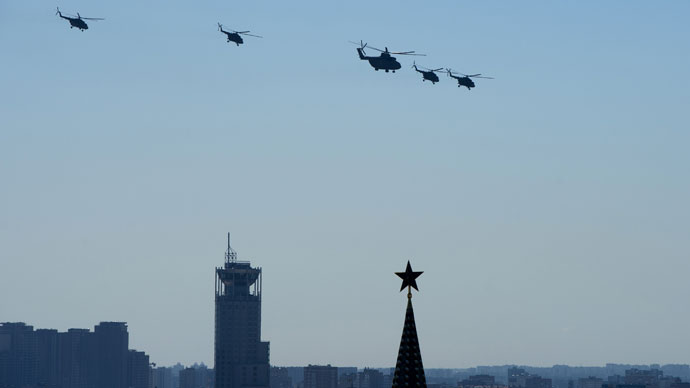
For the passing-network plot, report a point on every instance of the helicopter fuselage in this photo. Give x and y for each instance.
(428, 76)
(76, 22)
(465, 81)
(384, 61)
(234, 37)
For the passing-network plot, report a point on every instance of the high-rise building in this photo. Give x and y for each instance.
(47, 358)
(137, 369)
(112, 341)
(18, 364)
(241, 358)
(77, 359)
(320, 376)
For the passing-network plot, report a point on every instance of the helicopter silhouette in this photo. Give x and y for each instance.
(385, 60)
(235, 36)
(465, 80)
(427, 74)
(76, 21)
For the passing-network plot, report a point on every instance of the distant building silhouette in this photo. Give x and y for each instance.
(320, 376)
(636, 376)
(280, 377)
(241, 358)
(188, 378)
(519, 378)
(78, 358)
(162, 378)
(197, 376)
(589, 382)
(516, 377)
(480, 381)
(348, 380)
(371, 378)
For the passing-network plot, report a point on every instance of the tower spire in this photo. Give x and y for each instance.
(409, 371)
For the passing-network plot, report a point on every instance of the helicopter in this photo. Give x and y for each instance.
(234, 36)
(427, 74)
(465, 80)
(384, 61)
(78, 21)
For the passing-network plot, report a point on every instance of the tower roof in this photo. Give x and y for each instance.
(409, 370)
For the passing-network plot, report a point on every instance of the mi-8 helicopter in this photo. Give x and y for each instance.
(234, 36)
(465, 80)
(384, 61)
(76, 22)
(427, 74)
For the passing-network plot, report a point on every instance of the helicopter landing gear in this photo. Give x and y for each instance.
(386, 70)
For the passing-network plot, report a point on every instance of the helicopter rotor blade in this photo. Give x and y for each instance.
(407, 53)
(244, 33)
(93, 18)
(473, 75)
(374, 48)
(483, 77)
(437, 70)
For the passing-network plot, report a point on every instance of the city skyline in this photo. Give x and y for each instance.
(547, 207)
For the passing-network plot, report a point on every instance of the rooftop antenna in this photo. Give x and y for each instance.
(230, 254)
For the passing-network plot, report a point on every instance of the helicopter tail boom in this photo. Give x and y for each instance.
(360, 51)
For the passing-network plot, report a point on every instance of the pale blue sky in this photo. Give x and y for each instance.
(548, 207)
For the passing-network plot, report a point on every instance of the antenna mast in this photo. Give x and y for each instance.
(230, 254)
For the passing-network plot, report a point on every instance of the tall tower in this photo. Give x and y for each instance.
(241, 358)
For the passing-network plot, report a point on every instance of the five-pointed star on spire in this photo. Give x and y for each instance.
(409, 277)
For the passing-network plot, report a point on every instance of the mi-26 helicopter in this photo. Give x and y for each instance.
(385, 60)
(465, 80)
(76, 21)
(235, 36)
(427, 74)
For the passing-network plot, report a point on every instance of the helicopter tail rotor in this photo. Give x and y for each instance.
(57, 12)
(361, 44)
(220, 27)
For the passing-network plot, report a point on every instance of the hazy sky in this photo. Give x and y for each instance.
(548, 208)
